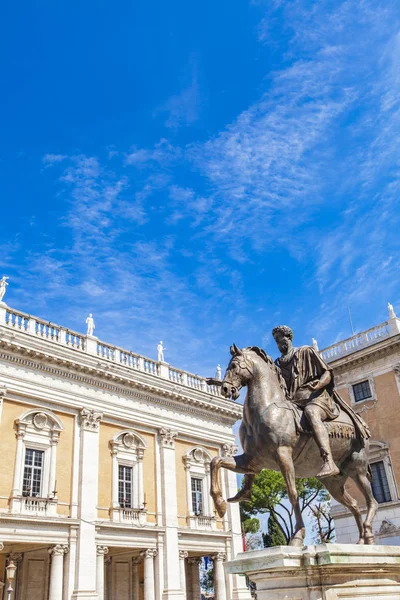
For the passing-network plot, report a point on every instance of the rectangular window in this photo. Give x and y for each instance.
(125, 486)
(362, 391)
(33, 472)
(380, 485)
(197, 496)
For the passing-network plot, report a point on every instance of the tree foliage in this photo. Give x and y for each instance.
(274, 535)
(269, 495)
(323, 524)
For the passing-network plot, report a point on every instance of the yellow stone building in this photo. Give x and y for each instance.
(105, 470)
(367, 376)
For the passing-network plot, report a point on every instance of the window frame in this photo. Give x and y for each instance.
(359, 386)
(200, 480)
(371, 382)
(32, 468)
(382, 483)
(123, 504)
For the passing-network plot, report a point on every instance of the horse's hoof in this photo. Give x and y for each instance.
(360, 542)
(221, 508)
(369, 540)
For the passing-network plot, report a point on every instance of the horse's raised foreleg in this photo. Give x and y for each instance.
(285, 462)
(238, 464)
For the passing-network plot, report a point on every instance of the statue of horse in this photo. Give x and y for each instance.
(272, 439)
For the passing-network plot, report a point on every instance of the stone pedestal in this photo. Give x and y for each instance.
(323, 572)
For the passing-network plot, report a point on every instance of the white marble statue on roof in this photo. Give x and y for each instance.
(3, 287)
(90, 325)
(160, 352)
(392, 314)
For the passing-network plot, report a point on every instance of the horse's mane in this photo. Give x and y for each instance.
(262, 354)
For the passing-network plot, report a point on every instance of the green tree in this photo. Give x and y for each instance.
(274, 535)
(269, 495)
(207, 581)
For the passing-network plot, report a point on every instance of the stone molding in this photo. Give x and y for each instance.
(183, 554)
(3, 391)
(101, 550)
(149, 553)
(220, 556)
(167, 437)
(90, 419)
(59, 550)
(185, 403)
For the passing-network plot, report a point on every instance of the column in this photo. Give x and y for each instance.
(115, 503)
(107, 580)
(53, 455)
(172, 590)
(140, 454)
(194, 566)
(135, 576)
(57, 571)
(148, 583)
(182, 556)
(18, 460)
(85, 580)
(101, 552)
(219, 576)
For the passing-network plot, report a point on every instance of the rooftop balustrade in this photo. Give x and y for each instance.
(56, 334)
(361, 340)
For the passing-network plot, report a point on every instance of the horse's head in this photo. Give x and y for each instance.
(238, 373)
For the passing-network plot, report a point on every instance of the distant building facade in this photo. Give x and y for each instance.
(105, 470)
(367, 376)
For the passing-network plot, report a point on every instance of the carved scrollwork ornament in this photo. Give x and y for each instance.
(167, 437)
(229, 450)
(90, 419)
(149, 553)
(59, 550)
(183, 554)
(102, 550)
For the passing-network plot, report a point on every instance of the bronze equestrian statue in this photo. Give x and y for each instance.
(294, 420)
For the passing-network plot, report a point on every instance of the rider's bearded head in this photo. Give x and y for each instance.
(283, 336)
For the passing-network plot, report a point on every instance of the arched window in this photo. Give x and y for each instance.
(197, 465)
(34, 488)
(127, 451)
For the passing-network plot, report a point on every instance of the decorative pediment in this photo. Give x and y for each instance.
(197, 457)
(387, 528)
(128, 441)
(39, 421)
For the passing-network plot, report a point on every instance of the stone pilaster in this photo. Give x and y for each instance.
(172, 590)
(86, 571)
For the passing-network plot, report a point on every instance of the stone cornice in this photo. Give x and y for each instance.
(166, 395)
(380, 349)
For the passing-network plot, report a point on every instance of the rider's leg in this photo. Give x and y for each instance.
(316, 415)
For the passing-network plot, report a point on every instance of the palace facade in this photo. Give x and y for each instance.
(367, 376)
(105, 470)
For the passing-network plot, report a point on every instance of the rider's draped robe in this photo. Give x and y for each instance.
(303, 365)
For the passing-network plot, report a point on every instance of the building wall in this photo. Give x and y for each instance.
(378, 365)
(92, 405)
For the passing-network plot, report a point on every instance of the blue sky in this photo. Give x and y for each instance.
(200, 172)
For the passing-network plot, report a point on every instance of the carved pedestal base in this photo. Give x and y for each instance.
(327, 571)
